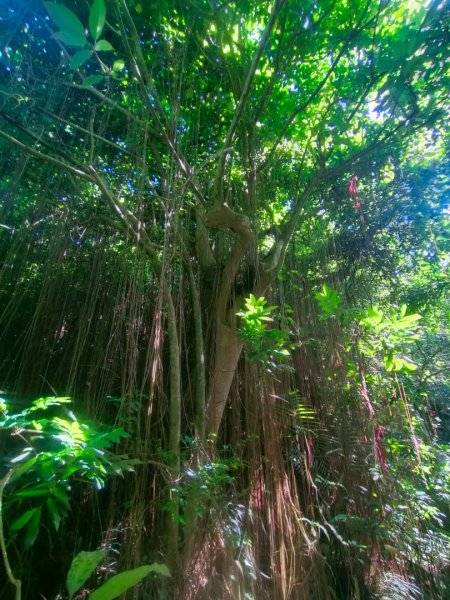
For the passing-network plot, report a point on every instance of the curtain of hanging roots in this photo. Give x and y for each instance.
(95, 328)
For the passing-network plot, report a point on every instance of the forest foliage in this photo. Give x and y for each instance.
(224, 317)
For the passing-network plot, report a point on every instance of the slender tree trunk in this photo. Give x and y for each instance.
(174, 425)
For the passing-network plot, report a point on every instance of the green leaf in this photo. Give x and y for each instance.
(65, 18)
(31, 493)
(79, 58)
(328, 300)
(54, 513)
(62, 496)
(44, 403)
(406, 322)
(103, 46)
(397, 364)
(97, 18)
(409, 365)
(19, 458)
(19, 471)
(373, 317)
(33, 529)
(92, 80)
(70, 38)
(124, 581)
(19, 523)
(82, 567)
(119, 65)
(388, 360)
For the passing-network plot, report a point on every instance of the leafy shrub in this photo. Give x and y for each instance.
(55, 449)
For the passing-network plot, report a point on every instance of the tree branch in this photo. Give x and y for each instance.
(222, 217)
(318, 89)
(218, 183)
(45, 157)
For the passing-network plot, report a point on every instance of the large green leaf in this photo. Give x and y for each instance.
(92, 80)
(79, 58)
(33, 529)
(70, 38)
(22, 469)
(19, 458)
(97, 18)
(65, 18)
(388, 360)
(19, 523)
(82, 567)
(124, 581)
(32, 492)
(54, 513)
(61, 496)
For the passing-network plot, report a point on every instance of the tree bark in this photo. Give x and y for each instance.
(228, 351)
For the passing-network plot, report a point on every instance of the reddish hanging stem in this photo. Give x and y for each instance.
(309, 450)
(378, 431)
(364, 395)
(353, 191)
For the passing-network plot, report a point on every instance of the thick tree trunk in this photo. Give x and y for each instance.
(228, 351)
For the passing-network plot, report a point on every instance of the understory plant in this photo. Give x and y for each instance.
(266, 345)
(85, 563)
(48, 449)
(410, 472)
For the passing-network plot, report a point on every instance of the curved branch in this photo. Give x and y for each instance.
(222, 217)
(45, 157)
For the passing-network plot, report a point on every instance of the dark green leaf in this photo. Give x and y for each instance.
(83, 565)
(70, 38)
(22, 520)
(54, 513)
(80, 58)
(33, 529)
(23, 468)
(31, 493)
(61, 496)
(64, 18)
(97, 18)
(92, 80)
(124, 581)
